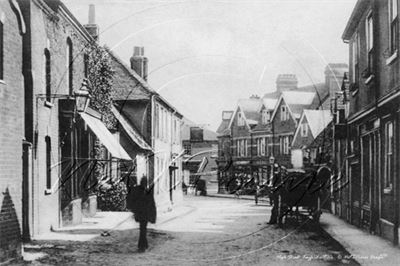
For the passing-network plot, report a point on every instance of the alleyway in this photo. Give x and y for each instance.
(215, 232)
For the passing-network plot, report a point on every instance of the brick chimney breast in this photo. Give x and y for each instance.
(286, 82)
(92, 27)
(139, 62)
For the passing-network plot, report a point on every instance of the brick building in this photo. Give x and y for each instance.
(264, 127)
(59, 166)
(368, 114)
(12, 30)
(224, 160)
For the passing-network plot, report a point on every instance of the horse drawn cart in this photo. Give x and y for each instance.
(300, 194)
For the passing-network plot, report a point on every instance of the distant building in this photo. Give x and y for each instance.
(261, 129)
(224, 160)
(311, 124)
(201, 149)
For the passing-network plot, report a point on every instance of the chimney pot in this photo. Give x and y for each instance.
(92, 14)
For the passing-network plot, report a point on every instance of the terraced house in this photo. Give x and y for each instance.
(371, 120)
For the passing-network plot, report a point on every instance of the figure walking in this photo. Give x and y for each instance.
(144, 209)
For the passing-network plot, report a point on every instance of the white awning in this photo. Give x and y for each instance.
(132, 133)
(105, 136)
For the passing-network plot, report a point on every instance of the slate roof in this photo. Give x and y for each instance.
(223, 128)
(270, 103)
(251, 109)
(318, 120)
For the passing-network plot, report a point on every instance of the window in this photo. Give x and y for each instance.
(393, 25)
(269, 146)
(47, 74)
(265, 116)
(304, 130)
(70, 69)
(355, 55)
(245, 147)
(284, 113)
(262, 146)
(284, 144)
(188, 148)
(370, 41)
(241, 122)
(157, 122)
(162, 135)
(388, 177)
(1, 50)
(48, 162)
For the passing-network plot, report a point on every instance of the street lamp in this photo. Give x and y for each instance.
(82, 97)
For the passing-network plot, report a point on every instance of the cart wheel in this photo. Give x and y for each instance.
(316, 215)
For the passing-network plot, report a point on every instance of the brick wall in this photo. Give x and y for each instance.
(50, 30)
(11, 136)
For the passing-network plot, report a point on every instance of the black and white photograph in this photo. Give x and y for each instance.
(199, 132)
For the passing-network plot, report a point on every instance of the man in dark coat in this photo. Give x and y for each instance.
(144, 209)
(275, 184)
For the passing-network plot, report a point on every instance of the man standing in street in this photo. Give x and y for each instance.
(144, 209)
(274, 184)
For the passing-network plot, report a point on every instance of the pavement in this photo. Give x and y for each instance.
(365, 248)
(105, 222)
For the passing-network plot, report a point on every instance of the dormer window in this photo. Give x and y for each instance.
(304, 130)
(266, 116)
(240, 120)
(284, 113)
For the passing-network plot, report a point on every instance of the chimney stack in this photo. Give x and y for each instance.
(92, 27)
(139, 62)
(92, 14)
(285, 82)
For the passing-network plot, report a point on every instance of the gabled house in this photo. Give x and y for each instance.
(243, 121)
(150, 128)
(285, 119)
(311, 124)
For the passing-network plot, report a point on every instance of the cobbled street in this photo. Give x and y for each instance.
(216, 231)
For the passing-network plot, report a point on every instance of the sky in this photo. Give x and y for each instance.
(204, 55)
